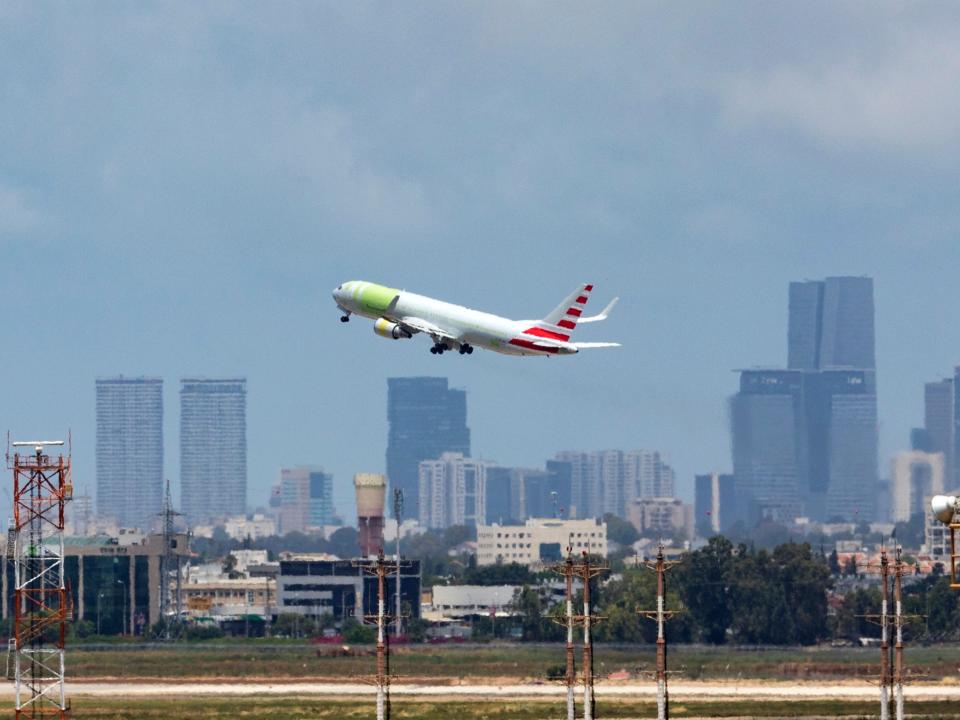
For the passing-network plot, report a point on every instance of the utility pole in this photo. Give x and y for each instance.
(169, 564)
(587, 572)
(380, 568)
(568, 569)
(898, 623)
(899, 620)
(661, 615)
(884, 639)
(891, 625)
(397, 515)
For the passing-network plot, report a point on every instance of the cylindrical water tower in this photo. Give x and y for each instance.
(370, 495)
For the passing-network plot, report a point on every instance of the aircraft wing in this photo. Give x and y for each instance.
(415, 325)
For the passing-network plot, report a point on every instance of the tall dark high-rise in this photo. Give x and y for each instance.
(831, 324)
(805, 438)
(130, 449)
(213, 448)
(769, 444)
(426, 419)
(940, 423)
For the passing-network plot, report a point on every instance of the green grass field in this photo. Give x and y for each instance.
(255, 659)
(304, 709)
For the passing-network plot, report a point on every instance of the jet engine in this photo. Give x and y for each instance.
(387, 329)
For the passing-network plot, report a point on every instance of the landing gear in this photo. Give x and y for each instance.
(466, 349)
(439, 348)
(344, 318)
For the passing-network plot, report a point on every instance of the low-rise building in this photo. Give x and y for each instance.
(318, 586)
(454, 602)
(665, 516)
(225, 598)
(539, 540)
(114, 582)
(254, 527)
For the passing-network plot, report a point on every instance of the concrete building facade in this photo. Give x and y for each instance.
(539, 540)
(452, 491)
(305, 499)
(664, 517)
(915, 477)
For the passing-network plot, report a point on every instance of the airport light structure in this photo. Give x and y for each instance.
(568, 569)
(660, 565)
(587, 570)
(891, 620)
(945, 510)
(42, 486)
(381, 569)
(397, 516)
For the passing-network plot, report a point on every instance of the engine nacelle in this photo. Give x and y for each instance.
(387, 329)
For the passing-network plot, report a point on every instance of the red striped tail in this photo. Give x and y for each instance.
(561, 323)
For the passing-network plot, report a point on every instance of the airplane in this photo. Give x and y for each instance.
(399, 315)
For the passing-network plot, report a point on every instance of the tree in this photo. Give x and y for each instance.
(834, 563)
(344, 542)
(703, 584)
(620, 531)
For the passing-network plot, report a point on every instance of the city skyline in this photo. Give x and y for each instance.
(691, 160)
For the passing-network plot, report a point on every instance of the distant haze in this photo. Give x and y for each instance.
(182, 186)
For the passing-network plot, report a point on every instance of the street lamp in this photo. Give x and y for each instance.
(123, 618)
(99, 598)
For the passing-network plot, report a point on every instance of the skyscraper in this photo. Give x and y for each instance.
(831, 324)
(213, 448)
(940, 422)
(767, 420)
(426, 419)
(130, 449)
(805, 439)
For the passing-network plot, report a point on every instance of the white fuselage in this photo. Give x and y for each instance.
(463, 325)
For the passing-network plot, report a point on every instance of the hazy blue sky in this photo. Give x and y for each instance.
(181, 186)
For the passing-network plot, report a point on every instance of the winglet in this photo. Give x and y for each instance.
(604, 314)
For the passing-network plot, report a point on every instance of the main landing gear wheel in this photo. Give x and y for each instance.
(344, 318)
(466, 349)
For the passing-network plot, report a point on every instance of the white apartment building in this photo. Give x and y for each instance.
(452, 491)
(666, 516)
(539, 540)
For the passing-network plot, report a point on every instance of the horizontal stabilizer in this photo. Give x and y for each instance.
(604, 314)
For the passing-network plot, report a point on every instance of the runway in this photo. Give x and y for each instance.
(853, 690)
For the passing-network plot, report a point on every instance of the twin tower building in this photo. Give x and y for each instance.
(213, 449)
(804, 437)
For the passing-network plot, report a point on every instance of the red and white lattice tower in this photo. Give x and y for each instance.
(41, 487)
